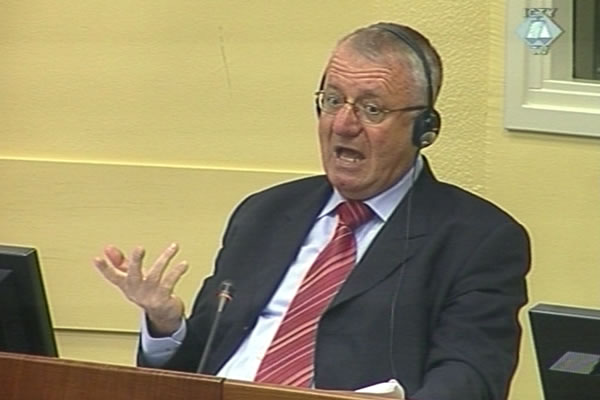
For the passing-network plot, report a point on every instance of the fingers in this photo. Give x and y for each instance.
(111, 274)
(134, 269)
(153, 287)
(172, 277)
(156, 271)
(116, 257)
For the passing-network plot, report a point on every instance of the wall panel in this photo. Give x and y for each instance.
(108, 347)
(69, 211)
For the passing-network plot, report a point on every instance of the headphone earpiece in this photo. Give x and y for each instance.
(426, 127)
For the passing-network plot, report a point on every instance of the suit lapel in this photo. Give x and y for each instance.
(403, 235)
(399, 240)
(290, 232)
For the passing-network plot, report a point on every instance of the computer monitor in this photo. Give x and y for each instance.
(25, 324)
(567, 344)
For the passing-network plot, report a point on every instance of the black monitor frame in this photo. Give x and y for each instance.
(25, 323)
(567, 345)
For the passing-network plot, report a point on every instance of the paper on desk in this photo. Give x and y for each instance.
(388, 390)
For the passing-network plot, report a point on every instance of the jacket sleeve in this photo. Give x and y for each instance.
(475, 344)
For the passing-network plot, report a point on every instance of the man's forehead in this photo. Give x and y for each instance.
(355, 63)
(347, 64)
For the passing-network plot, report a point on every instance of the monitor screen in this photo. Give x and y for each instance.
(567, 344)
(25, 324)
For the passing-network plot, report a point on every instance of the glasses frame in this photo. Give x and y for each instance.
(357, 110)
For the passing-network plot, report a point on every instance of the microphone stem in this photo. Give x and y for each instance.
(209, 340)
(224, 297)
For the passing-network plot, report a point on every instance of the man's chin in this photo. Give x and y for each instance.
(348, 188)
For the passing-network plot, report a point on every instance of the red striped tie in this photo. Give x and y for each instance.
(289, 358)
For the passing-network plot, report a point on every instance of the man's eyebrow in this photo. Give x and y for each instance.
(370, 94)
(367, 94)
(331, 86)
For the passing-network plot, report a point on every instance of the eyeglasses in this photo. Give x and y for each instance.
(367, 112)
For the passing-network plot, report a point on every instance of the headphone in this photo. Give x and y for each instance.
(426, 126)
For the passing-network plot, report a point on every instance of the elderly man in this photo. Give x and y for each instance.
(374, 271)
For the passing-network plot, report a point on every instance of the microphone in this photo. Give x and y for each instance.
(224, 295)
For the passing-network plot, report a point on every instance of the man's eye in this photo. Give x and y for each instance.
(332, 100)
(372, 109)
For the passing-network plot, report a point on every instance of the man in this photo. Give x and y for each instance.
(410, 278)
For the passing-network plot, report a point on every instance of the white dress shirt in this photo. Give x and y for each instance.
(245, 362)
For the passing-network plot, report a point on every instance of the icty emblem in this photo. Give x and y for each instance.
(538, 30)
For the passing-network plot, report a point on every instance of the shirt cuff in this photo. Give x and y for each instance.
(158, 350)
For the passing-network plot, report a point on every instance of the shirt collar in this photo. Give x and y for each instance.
(385, 202)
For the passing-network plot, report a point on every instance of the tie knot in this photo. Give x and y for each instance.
(354, 213)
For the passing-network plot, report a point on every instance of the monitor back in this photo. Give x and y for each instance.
(567, 344)
(25, 324)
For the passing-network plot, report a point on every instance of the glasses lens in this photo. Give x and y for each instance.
(331, 102)
(369, 113)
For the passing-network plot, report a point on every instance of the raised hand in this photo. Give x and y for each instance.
(151, 289)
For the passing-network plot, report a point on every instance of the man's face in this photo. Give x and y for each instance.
(363, 160)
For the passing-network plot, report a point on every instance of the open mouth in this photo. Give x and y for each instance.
(348, 155)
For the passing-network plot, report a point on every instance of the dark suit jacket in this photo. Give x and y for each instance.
(433, 302)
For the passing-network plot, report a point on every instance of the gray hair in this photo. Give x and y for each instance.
(377, 42)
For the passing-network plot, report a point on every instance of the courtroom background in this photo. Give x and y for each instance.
(145, 122)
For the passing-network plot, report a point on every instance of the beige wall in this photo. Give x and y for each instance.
(136, 122)
(552, 184)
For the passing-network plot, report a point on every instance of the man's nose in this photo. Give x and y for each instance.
(346, 121)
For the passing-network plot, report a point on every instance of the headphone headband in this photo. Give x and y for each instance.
(427, 124)
(417, 50)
